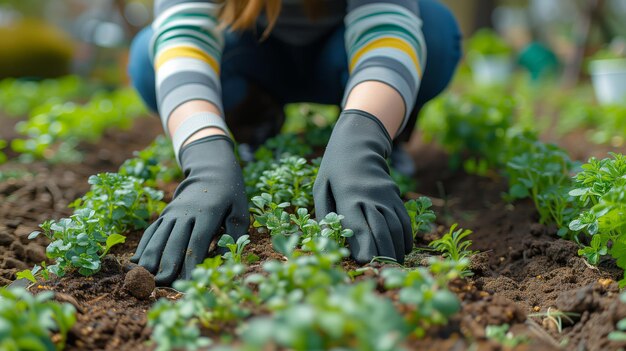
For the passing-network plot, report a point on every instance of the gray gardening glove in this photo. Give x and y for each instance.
(354, 181)
(211, 196)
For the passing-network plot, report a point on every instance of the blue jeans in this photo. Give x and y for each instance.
(313, 73)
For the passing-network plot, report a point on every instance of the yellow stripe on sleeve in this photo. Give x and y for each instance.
(387, 42)
(186, 51)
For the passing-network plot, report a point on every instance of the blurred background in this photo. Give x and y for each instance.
(51, 38)
(560, 63)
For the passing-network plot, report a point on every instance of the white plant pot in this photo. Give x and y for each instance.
(491, 70)
(609, 80)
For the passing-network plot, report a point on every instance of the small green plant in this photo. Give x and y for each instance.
(77, 242)
(235, 249)
(424, 292)
(454, 246)
(32, 274)
(214, 295)
(332, 228)
(114, 205)
(289, 180)
(601, 192)
(124, 202)
(154, 163)
(422, 217)
(272, 217)
(542, 172)
(349, 315)
(28, 322)
(502, 335)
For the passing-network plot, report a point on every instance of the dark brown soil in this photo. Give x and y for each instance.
(523, 267)
(522, 264)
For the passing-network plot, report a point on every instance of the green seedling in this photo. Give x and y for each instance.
(600, 189)
(290, 180)
(347, 316)
(114, 205)
(422, 217)
(542, 172)
(332, 228)
(424, 291)
(156, 163)
(454, 246)
(28, 321)
(501, 335)
(235, 248)
(34, 273)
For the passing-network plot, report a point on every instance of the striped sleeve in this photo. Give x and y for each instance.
(186, 52)
(384, 42)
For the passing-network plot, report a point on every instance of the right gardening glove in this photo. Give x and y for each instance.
(354, 181)
(211, 196)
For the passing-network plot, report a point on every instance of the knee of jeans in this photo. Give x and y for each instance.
(140, 69)
(443, 46)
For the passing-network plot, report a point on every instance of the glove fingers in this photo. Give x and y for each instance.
(151, 256)
(380, 233)
(362, 245)
(407, 230)
(174, 252)
(324, 199)
(395, 231)
(199, 243)
(145, 239)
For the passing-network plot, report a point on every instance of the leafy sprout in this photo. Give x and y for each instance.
(235, 249)
(422, 217)
(503, 336)
(28, 322)
(454, 246)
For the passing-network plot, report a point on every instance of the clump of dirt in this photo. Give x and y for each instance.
(139, 283)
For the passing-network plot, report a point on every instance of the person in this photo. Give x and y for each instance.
(205, 63)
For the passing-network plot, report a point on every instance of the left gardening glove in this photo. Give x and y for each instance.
(211, 196)
(354, 181)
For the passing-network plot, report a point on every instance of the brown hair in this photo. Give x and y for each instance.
(242, 14)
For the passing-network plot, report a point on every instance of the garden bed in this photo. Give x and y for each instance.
(523, 268)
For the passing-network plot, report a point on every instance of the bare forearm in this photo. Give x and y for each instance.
(380, 100)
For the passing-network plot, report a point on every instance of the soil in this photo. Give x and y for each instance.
(523, 268)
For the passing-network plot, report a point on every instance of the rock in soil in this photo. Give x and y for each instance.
(139, 283)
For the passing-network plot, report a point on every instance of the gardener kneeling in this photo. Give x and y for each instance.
(380, 60)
